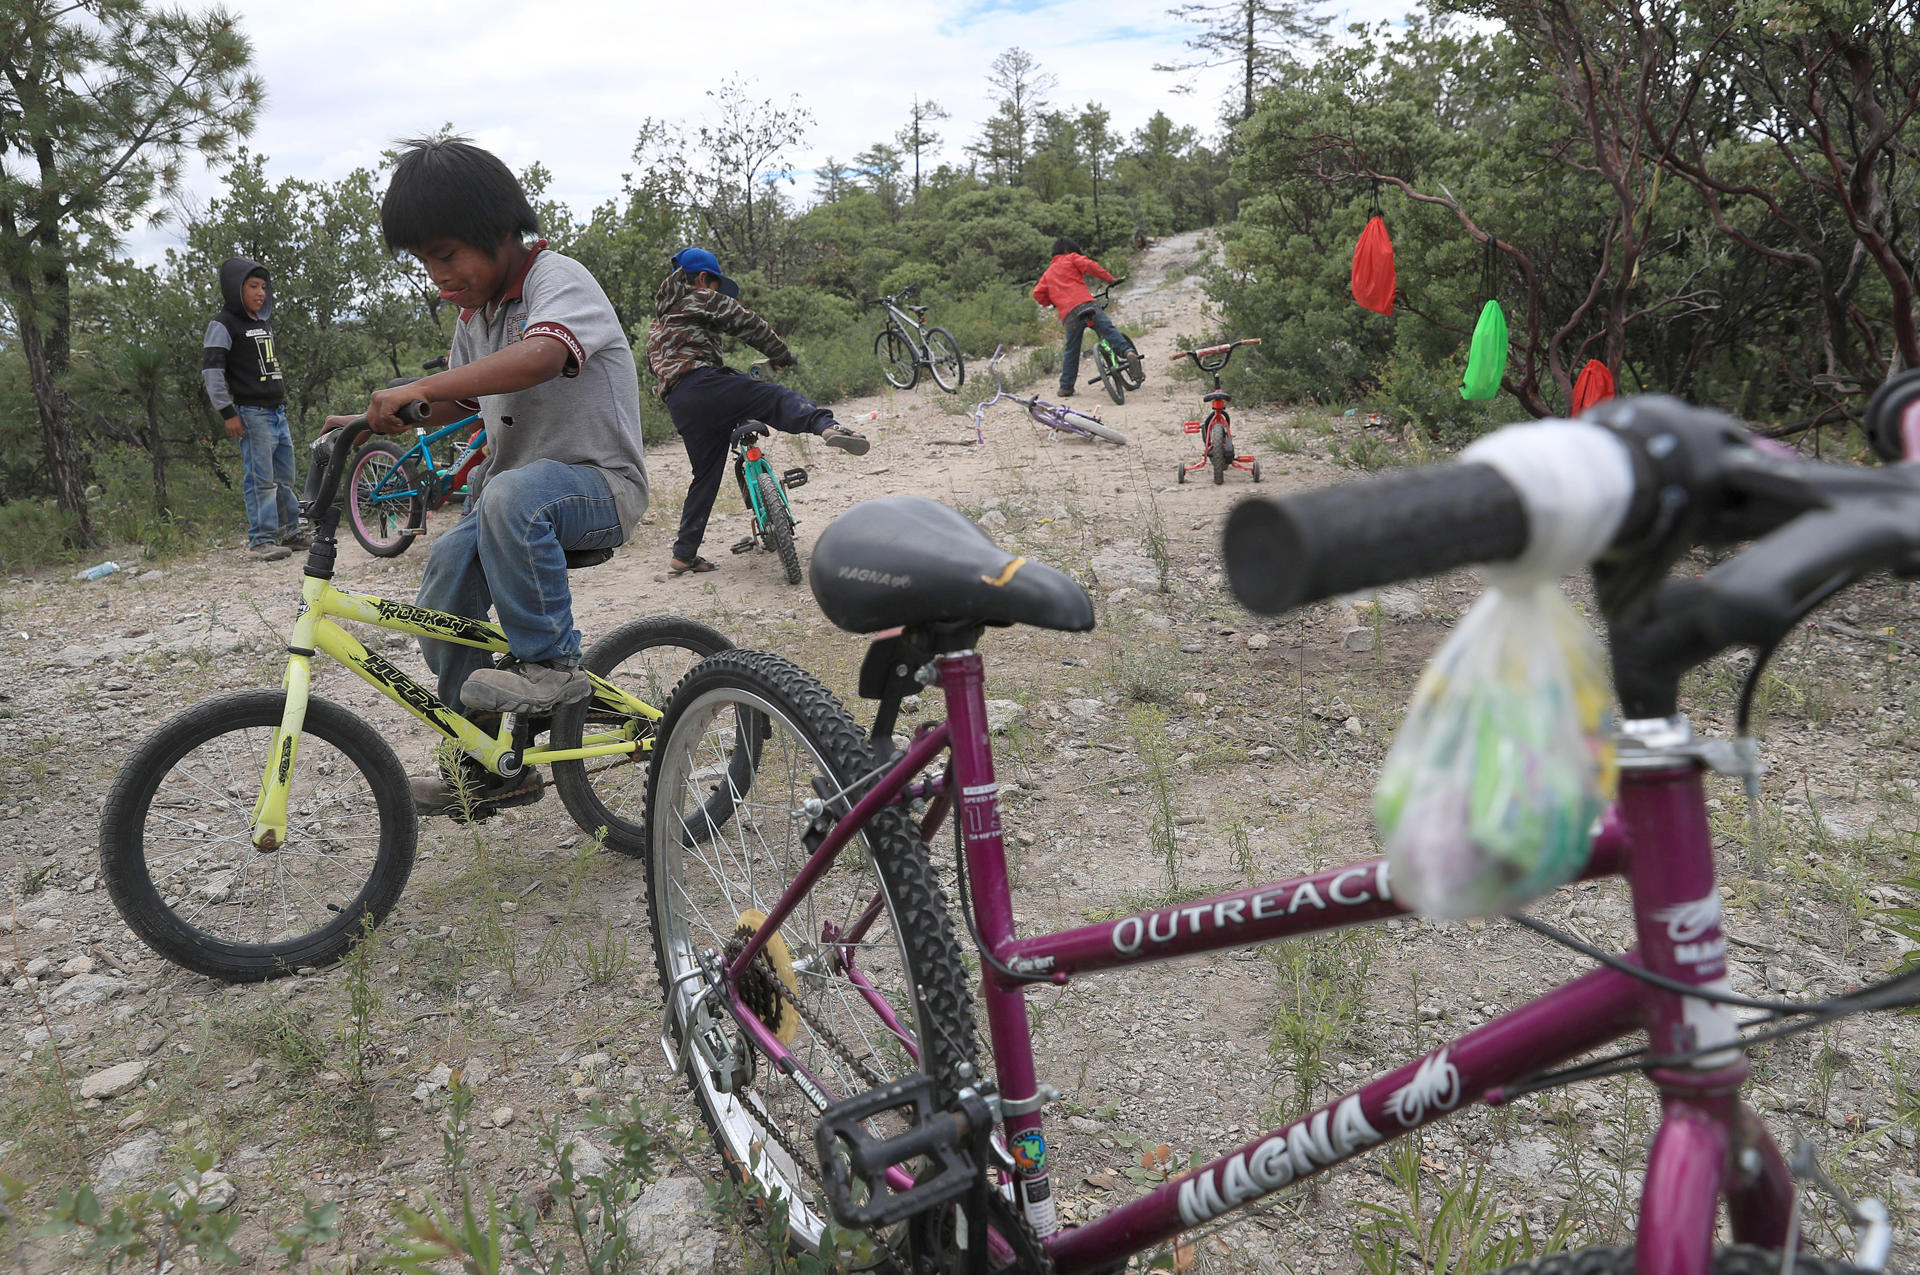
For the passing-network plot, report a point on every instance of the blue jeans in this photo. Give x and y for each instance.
(266, 477)
(508, 553)
(1077, 325)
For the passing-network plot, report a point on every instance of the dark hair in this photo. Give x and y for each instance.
(449, 188)
(1064, 245)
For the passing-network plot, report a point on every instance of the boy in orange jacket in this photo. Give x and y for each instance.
(1063, 286)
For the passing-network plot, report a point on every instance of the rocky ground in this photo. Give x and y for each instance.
(121, 1071)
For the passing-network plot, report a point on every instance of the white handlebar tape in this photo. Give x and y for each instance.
(1576, 481)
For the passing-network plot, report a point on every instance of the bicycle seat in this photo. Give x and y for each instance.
(907, 561)
(919, 309)
(747, 431)
(1216, 396)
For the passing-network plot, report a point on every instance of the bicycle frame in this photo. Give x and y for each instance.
(1056, 416)
(423, 449)
(749, 462)
(314, 630)
(1709, 1144)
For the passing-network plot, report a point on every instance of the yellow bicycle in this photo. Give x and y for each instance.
(262, 832)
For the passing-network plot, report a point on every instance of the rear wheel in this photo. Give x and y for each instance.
(384, 500)
(898, 362)
(780, 526)
(872, 929)
(944, 361)
(1222, 454)
(1733, 1259)
(1108, 370)
(177, 850)
(646, 658)
(1101, 430)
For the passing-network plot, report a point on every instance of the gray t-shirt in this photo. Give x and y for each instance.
(590, 413)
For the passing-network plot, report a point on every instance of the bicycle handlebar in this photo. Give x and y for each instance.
(327, 457)
(1208, 351)
(1627, 490)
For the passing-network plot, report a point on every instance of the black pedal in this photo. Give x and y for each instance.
(747, 546)
(795, 477)
(938, 1139)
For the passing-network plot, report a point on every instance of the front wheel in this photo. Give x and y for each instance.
(1101, 430)
(898, 362)
(861, 985)
(646, 658)
(1733, 1259)
(779, 525)
(177, 852)
(385, 506)
(944, 361)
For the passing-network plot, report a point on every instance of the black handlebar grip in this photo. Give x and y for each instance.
(1288, 551)
(415, 412)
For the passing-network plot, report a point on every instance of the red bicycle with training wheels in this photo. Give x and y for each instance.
(1218, 427)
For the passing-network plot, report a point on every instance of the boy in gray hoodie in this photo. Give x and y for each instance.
(245, 385)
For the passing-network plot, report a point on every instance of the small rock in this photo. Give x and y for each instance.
(993, 518)
(1260, 752)
(593, 1064)
(587, 1159)
(1352, 726)
(78, 965)
(131, 1161)
(89, 989)
(39, 967)
(1197, 698)
(214, 1190)
(502, 1117)
(1083, 1124)
(1003, 713)
(1086, 709)
(1358, 638)
(115, 1081)
(658, 1224)
(1258, 641)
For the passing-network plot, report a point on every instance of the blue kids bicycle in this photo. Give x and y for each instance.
(392, 490)
(766, 495)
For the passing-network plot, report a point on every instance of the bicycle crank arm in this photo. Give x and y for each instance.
(937, 1140)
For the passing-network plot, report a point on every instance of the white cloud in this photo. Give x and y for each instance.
(568, 85)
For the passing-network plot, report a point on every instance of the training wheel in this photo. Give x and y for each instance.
(1256, 471)
(1180, 473)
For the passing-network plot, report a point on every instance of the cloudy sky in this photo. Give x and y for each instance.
(568, 85)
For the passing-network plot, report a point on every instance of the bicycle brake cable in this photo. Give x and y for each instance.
(966, 910)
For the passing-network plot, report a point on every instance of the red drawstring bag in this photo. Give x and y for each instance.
(1373, 267)
(1594, 386)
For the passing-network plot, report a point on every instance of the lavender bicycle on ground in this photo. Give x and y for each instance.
(1055, 416)
(817, 999)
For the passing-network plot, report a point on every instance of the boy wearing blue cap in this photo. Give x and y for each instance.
(695, 306)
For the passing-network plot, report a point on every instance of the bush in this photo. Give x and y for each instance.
(1428, 396)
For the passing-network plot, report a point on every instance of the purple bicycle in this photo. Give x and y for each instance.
(817, 999)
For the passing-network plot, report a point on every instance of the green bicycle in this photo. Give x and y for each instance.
(261, 832)
(764, 494)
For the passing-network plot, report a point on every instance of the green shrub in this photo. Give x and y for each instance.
(1428, 396)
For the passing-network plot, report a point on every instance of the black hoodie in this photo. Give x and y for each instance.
(237, 360)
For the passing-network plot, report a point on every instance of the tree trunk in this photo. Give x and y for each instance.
(1252, 48)
(56, 431)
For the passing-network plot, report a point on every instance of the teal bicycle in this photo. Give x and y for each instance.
(766, 495)
(391, 490)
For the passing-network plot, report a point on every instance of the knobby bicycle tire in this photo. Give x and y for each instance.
(385, 528)
(944, 360)
(703, 885)
(179, 861)
(1109, 373)
(1731, 1259)
(607, 796)
(899, 361)
(779, 525)
(1222, 453)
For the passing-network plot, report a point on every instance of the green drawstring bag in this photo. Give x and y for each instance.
(1487, 357)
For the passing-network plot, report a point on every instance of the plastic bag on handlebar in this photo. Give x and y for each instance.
(1490, 792)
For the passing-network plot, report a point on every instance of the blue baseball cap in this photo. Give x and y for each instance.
(694, 261)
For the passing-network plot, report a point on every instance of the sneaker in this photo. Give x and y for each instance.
(485, 793)
(267, 551)
(845, 439)
(298, 540)
(1066, 391)
(517, 687)
(1135, 368)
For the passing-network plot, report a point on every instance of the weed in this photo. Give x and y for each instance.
(1240, 843)
(1134, 904)
(1282, 441)
(33, 882)
(363, 999)
(455, 1130)
(1463, 1232)
(1150, 732)
(605, 962)
(1155, 542)
(1322, 981)
(154, 1228)
(277, 1031)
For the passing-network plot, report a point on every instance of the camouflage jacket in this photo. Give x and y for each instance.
(687, 327)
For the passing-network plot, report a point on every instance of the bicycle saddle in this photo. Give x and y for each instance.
(746, 432)
(905, 561)
(919, 309)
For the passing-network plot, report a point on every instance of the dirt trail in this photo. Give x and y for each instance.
(1267, 737)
